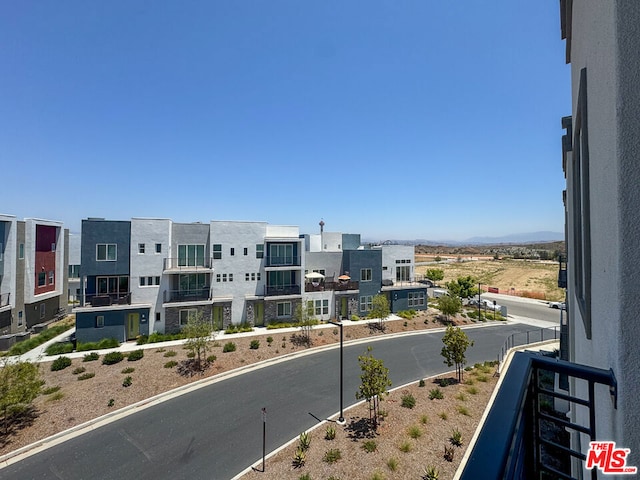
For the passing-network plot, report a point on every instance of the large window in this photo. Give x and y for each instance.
(106, 252)
(112, 285)
(193, 283)
(581, 208)
(42, 279)
(366, 303)
(281, 254)
(403, 273)
(186, 315)
(259, 250)
(284, 309)
(321, 307)
(217, 251)
(280, 278)
(416, 299)
(365, 274)
(191, 255)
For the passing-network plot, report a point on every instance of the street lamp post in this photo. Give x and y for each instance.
(479, 317)
(341, 420)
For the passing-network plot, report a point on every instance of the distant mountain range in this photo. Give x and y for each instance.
(517, 238)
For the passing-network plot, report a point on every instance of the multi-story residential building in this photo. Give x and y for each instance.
(33, 276)
(74, 268)
(152, 275)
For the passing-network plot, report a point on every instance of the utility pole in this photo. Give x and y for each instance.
(341, 420)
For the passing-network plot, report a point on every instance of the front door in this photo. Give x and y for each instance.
(343, 308)
(217, 318)
(133, 326)
(258, 314)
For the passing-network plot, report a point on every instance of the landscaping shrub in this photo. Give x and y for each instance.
(332, 456)
(170, 364)
(90, 357)
(50, 390)
(421, 383)
(60, 363)
(211, 358)
(170, 353)
(101, 345)
(456, 438)
(229, 347)
(255, 344)
(112, 358)
(26, 345)
(127, 382)
(408, 401)
(436, 393)
(370, 446)
(127, 370)
(135, 355)
(86, 376)
(78, 370)
(414, 432)
(330, 433)
(59, 348)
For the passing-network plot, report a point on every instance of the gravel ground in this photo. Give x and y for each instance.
(76, 401)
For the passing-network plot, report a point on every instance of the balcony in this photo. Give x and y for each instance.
(329, 286)
(523, 436)
(188, 265)
(279, 290)
(193, 295)
(107, 299)
(282, 261)
(5, 300)
(562, 272)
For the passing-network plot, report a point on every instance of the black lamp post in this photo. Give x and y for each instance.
(479, 317)
(341, 417)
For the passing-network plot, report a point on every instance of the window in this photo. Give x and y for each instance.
(246, 251)
(143, 281)
(20, 318)
(284, 309)
(99, 321)
(258, 276)
(186, 315)
(157, 280)
(157, 316)
(193, 284)
(366, 303)
(218, 278)
(232, 251)
(43, 310)
(74, 271)
(42, 279)
(281, 254)
(217, 251)
(2, 251)
(141, 248)
(20, 251)
(231, 277)
(246, 277)
(253, 277)
(224, 277)
(106, 252)
(365, 274)
(51, 278)
(416, 299)
(191, 255)
(149, 281)
(260, 251)
(112, 285)
(158, 248)
(403, 273)
(321, 307)
(581, 208)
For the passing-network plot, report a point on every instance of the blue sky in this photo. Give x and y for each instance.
(393, 119)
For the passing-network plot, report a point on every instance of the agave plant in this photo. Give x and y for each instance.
(305, 441)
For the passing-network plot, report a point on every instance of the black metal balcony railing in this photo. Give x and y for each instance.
(193, 295)
(107, 299)
(5, 299)
(191, 264)
(522, 436)
(286, 261)
(328, 286)
(282, 290)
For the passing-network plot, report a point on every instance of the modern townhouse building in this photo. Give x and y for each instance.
(33, 272)
(151, 275)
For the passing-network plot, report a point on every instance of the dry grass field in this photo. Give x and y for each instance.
(527, 278)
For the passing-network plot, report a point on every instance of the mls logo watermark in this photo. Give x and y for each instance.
(608, 458)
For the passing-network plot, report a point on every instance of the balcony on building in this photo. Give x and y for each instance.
(174, 265)
(526, 431)
(281, 290)
(107, 299)
(5, 301)
(331, 285)
(191, 295)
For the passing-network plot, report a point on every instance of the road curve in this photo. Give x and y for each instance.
(216, 431)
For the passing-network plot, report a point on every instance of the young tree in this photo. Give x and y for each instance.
(380, 310)
(305, 316)
(199, 332)
(456, 343)
(434, 274)
(449, 305)
(375, 381)
(20, 384)
(463, 287)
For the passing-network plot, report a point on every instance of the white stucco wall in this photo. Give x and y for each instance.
(8, 284)
(30, 258)
(391, 253)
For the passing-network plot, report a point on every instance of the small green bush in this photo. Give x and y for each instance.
(430, 473)
(60, 363)
(211, 358)
(101, 345)
(304, 441)
(112, 358)
(332, 456)
(90, 357)
(255, 344)
(456, 438)
(269, 340)
(405, 447)
(392, 464)
(421, 383)
(55, 396)
(59, 348)
(86, 376)
(436, 393)
(463, 410)
(414, 431)
(229, 347)
(330, 432)
(128, 370)
(191, 355)
(370, 446)
(111, 402)
(443, 415)
(424, 419)
(472, 390)
(127, 382)
(170, 353)
(78, 370)
(135, 355)
(408, 401)
(50, 390)
(170, 364)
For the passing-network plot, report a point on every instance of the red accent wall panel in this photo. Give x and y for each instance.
(45, 261)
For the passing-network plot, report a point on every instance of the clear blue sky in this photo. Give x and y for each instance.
(393, 119)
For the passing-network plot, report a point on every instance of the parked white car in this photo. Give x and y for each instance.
(558, 305)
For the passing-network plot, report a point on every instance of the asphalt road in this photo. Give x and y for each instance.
(216, 432)
(525, 307)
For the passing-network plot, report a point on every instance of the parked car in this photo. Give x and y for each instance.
(484, 303)
(558, 305)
